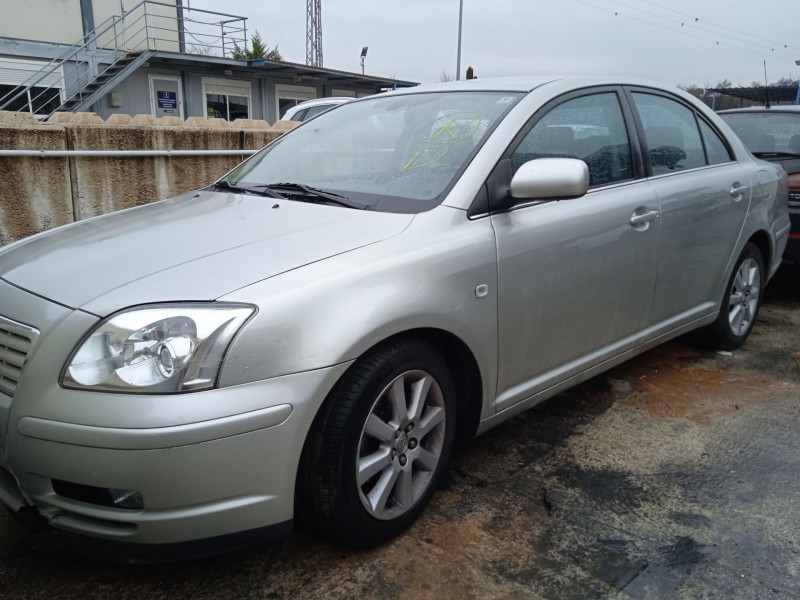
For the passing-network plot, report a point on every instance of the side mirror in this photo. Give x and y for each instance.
(550, 179)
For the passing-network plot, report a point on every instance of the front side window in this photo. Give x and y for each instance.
(670, 129)
(590, 128)
(400, 153)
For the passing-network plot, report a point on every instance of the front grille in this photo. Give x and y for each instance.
(16, 341)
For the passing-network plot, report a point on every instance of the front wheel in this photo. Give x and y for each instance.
(379, 446)
(741, 302)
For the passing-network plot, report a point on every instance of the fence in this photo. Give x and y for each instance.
(41, 192)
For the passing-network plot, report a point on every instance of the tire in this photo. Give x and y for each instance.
(740, 304)
(375, 454)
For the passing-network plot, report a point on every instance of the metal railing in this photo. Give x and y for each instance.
(100, 55)
(118, 153)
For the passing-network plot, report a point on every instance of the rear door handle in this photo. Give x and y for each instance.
(641, 219)
(738, 190)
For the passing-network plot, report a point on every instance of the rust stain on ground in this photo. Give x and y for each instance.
(678, 381)
(433, 565)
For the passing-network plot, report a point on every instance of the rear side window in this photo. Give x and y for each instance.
(716, 150)
(590, 128)
(316, 110)
(670, 129)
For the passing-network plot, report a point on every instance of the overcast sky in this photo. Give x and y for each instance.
(417, 39)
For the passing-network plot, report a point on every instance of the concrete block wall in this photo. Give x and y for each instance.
(42, 193)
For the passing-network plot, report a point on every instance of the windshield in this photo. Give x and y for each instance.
(398, 153)
(767, 132)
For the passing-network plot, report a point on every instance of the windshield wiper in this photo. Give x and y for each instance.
(224, 184)
(307, 192)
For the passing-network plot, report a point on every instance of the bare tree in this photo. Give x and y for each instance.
(444, 76)
(202, 50)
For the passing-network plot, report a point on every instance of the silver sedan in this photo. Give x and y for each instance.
(310, 335)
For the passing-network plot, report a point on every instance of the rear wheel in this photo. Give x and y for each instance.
(741, 302)
(380, 444)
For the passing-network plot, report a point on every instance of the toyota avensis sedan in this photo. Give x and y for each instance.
(312, 334)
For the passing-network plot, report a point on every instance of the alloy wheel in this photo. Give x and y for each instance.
(401, 444)
(743, 300)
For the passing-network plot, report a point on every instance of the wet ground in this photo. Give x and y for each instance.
(676, 475)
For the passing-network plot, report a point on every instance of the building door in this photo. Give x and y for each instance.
(166, 98)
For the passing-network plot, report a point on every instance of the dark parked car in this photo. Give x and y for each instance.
(773, 134)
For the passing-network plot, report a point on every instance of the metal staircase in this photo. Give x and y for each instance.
(102, 59)
(105, 81)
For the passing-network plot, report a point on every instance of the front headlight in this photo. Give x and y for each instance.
(163, 348)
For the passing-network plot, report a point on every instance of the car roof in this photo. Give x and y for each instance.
(328, 100)
(529, 83)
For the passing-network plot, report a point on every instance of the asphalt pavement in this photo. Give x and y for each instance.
(674, 475)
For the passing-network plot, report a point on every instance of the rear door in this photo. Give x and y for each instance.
(576, 277)
(704, 196)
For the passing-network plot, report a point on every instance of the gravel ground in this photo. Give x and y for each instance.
(671, 476)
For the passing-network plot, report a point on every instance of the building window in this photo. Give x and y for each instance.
(42, 99)
(292, 95)
(227, 106)
(37, 100)
(227, 99)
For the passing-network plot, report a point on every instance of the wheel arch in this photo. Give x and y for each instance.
(762, 241)
(466, 376)
(467, 380)
(464, 368)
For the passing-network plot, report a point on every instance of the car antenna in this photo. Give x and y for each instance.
(766, 87)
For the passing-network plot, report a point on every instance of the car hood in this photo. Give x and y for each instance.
(195, 247)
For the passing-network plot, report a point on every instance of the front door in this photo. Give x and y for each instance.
(576, 277)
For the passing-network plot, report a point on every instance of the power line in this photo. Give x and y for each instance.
(283, 37)
(697, 19)
(789, 55)
(682, 31)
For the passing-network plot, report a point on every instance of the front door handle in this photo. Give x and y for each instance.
(641, 219)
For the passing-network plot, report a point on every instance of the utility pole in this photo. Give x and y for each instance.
(314, 33)
(460, 18)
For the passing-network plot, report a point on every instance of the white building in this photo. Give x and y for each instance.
(157, 57)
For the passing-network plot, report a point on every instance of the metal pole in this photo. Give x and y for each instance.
(181, 28)
(118, 153)
(460, 19)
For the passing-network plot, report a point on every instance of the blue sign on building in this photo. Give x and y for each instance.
(167, 101)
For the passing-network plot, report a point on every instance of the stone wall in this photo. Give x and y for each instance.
(41, 193)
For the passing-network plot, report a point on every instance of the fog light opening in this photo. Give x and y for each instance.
(126, 498)
(108, 497)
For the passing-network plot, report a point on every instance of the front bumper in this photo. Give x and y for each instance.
(201, 482)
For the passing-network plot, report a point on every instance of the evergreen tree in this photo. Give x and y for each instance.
(258, 49)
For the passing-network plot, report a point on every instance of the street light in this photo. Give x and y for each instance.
(797, 98)
(363, 57)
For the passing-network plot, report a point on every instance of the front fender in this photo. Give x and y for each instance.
(334, 310)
